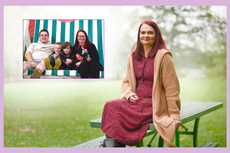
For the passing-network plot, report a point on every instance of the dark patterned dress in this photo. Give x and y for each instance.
(128, 122)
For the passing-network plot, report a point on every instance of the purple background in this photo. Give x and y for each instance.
(103, 2)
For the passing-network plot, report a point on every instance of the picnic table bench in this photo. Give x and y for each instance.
(190, 111)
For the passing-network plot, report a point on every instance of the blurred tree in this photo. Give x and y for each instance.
(196, 38)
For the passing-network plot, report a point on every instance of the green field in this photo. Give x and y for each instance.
(56, 113)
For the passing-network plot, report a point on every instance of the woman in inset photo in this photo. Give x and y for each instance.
(86, 53)
(150, 93)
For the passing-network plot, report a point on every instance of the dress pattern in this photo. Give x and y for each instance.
(127, 122)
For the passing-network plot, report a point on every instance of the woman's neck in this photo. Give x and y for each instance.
(147, 49)
(81, 44)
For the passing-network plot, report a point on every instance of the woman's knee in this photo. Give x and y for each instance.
(107, 105)
(93, 65)
(83, 67)
(111, 104)
(83, 64)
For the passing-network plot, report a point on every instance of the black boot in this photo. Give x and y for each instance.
(110, 142)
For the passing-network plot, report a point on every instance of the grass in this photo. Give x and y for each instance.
(56, 113)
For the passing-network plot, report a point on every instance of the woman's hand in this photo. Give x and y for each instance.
(77, 64)
(68, 61)
(134, 99)
(177, 123)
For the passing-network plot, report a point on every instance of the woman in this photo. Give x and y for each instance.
(150, 93)
(86, 53)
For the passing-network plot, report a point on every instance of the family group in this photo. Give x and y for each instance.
(82, 56)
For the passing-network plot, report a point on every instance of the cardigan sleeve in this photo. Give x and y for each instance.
(126, 90)
(171, 86)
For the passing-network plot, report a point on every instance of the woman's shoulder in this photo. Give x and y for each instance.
(163, 55)
(91, 46)
(74, 48)
(162, 52)
(130, 55)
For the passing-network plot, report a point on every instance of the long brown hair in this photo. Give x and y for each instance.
(65, 45)
(158, 44)
(87, 42)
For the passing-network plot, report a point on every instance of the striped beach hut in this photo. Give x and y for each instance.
(65, 30)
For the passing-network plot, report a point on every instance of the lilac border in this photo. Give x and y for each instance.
(105, 2)
(118, 2)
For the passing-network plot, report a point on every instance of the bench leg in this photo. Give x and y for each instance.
(161, 142)
(141, 144)
(177, 136)
(154, 135)
(195, 132)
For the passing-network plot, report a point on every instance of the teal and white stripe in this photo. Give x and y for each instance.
(66, 31)
(57, 72)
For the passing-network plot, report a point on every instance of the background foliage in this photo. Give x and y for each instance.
(195, 36)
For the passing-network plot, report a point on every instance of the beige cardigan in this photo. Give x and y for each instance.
(165, 97)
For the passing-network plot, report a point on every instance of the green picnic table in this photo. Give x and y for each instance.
(190, 111)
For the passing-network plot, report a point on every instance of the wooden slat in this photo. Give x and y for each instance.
(189, 112)
(209, 144)
(193, 110)
(96, 123)
(92, 143)
(97, 142)
(214, 144)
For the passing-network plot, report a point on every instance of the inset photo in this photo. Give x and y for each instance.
(63, 49)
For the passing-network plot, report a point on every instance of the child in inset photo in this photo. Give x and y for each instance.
(67, 57)
(53, 62)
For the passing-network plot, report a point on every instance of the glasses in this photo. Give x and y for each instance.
(81, 36)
